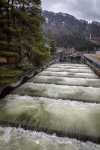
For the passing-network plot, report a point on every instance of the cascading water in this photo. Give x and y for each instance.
(86, 70)
(66, 81)
(69, 74)
(53, 102)
(43, 112)
(18, 139)
(80, 93)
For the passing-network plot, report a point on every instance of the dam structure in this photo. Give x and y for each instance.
(58, 109)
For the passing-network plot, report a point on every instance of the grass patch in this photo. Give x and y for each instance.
(6, 81)
(8, 75)
(25, 65)
(96, 56)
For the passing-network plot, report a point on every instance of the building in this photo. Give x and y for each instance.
(46, 41)
(98, 52)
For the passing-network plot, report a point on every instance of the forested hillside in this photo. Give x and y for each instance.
(66, 23)
(79, 42)
(68, 31)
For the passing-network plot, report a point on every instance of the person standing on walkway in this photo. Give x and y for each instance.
(71, 58)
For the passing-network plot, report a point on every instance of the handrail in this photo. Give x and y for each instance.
(96, 71)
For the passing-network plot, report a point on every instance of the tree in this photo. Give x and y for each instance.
(52, 43)
(8, 48)
(76, 40)
(31, 40)
(20, 31)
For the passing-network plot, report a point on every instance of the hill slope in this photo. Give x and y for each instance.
(66, 23)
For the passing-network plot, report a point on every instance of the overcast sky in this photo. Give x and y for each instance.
(81, 9)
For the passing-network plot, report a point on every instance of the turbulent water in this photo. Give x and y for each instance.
(18, 139)
(69, 74)
(52, 114)
(53, 100)
(79, 93)
(66, 81)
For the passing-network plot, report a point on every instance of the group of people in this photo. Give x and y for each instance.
(72, 57)
(77, 57)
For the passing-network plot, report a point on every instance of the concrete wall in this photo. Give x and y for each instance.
(5, 90)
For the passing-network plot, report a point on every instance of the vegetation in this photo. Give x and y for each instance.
(8, 75)
(11, 73)
(21, 38)
(52, 41)
(96, 56)
(68, 31)
(66, 23)
(20, 32)
(76, 40)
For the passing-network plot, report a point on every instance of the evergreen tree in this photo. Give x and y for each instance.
(39, 52)
(31, 39)
(52, 43)
(76, 40)
(8, 48)
(20, 32)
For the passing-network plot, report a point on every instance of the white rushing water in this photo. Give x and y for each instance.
(52, 100)
(69, 66)
(69, 74)
(52, 114)
(74, 71)
(69, 70)
(90, 94)
(18, 139)
(66, 81)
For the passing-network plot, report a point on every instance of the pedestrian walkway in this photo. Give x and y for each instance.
(93, 59)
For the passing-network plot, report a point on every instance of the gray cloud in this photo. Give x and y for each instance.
(81, 9)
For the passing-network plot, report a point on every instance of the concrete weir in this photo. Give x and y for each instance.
(18, 81)
(61, 99)
(62, 134)
(21, 79)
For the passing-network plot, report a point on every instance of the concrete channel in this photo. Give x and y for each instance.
(61, 105)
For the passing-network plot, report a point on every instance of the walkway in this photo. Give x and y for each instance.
(93, 59)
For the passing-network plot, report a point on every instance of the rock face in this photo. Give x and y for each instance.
(66, 23)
